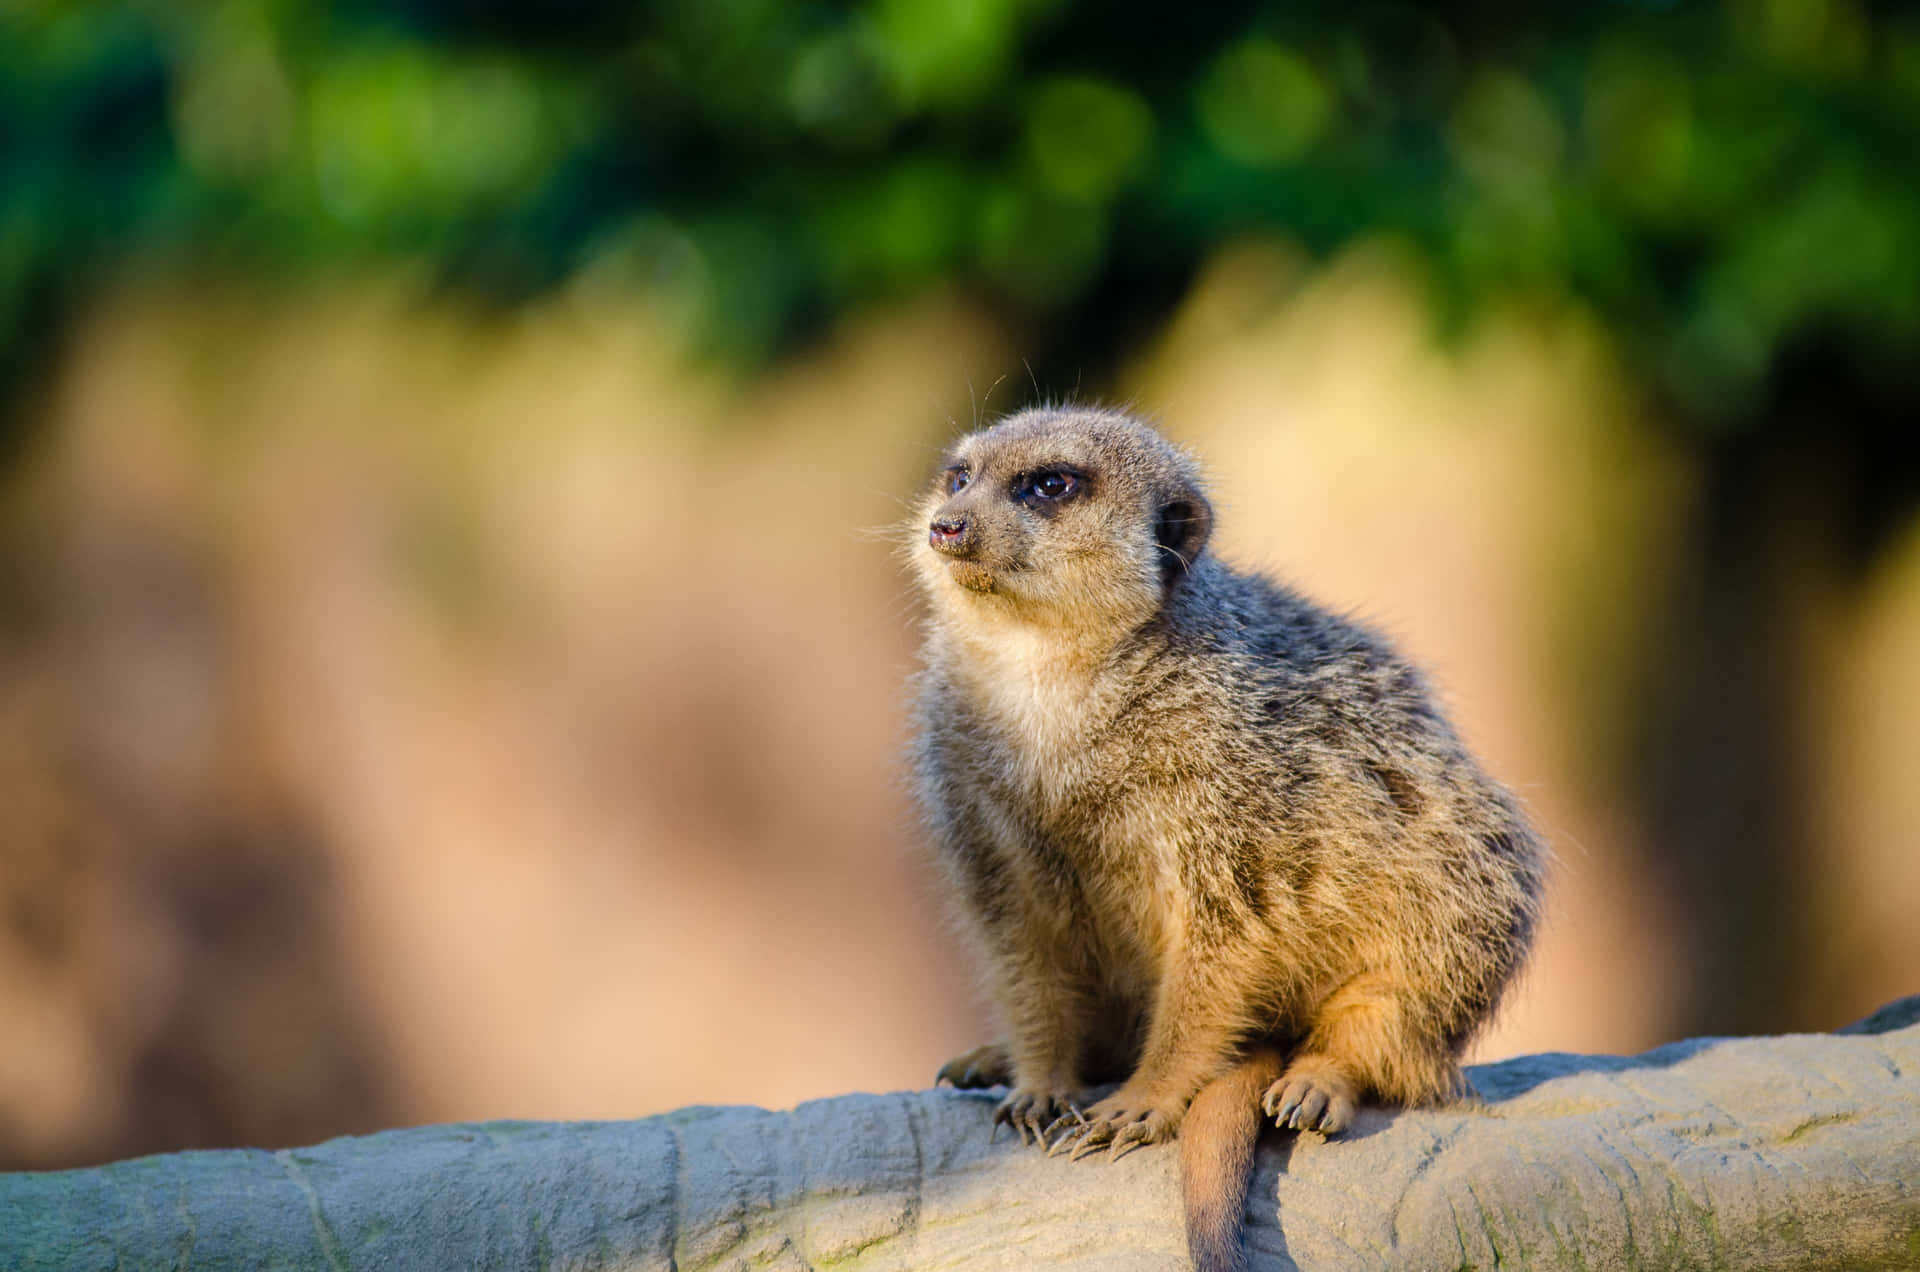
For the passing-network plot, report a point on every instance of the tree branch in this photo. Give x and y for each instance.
(1788, 1152)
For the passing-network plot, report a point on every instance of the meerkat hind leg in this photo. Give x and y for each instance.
(986, 1066)
(1363, 1040)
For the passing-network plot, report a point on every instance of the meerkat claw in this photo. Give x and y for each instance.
(971, 1070)
(1087, 1147)
(1071, 1132)
(1132, 1136)
(1065, 1122)
(1096, 1137)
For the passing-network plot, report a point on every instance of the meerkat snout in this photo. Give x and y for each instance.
(952, 535)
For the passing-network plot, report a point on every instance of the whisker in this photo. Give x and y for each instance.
(1186, 566)
(988, 396)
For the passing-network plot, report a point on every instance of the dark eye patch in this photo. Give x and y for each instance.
(1045, 489)
(956, 479)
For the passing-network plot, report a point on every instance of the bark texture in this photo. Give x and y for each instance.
(1789, 1152)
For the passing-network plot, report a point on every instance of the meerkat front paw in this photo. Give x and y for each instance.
(1312, 1095)
(1030, 1111)
(982, 1067)
(1122, 1122)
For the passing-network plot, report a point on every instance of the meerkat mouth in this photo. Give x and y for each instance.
(972, 576)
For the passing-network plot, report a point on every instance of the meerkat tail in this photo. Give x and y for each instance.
(1216, 1160)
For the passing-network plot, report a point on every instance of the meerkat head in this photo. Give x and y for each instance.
(1079, 514)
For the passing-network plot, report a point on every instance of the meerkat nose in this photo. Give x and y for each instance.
(949, 535)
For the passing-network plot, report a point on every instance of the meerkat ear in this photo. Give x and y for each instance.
(1181, 529)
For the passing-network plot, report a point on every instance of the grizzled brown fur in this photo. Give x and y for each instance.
(1205, 836)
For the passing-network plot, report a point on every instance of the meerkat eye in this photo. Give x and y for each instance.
(1054, 485)
(957, 479)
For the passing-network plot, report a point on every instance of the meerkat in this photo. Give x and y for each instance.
(1208, 840)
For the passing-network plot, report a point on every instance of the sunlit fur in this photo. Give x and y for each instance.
(1193, 824)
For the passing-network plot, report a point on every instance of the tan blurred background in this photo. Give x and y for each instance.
(411, 714)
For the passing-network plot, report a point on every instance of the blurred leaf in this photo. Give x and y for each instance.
(1085, 137)
(1263, 104)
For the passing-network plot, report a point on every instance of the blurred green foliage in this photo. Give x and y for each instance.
(1714, 178)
